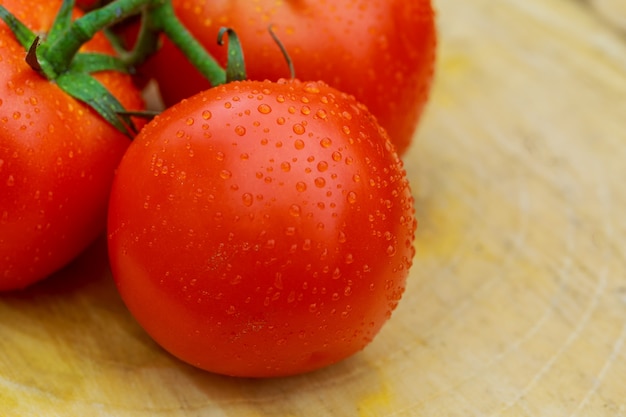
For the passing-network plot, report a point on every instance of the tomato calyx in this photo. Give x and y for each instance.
(235, 65)
(56, 57)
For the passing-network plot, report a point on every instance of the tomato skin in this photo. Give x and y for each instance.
(262, 229)
(381, 51)
(88, 4)
(57, 159)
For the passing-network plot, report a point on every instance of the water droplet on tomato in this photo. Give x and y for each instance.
(247, 199)
(240, 130)
(285, 166)
(301, 186)
(326, 143)
(312, 307)
(322, 166)
(206, 115)
(336, 273)
(189, 121)
(280, 98)
(299, 144)
(346, 130)
(312, 88)
(299, 129)
(295, 210)
(322, 114)
(349, 258)
(10, 181)
(305, 110)
(391, 250)
(264, 109)
(281, 120)
(320, 182)
(225, 174)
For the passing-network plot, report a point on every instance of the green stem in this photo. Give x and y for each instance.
(163, 18)
(60, 53)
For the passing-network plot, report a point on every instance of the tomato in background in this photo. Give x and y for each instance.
(89, 4)
(262, 229)
(57, 158)
(381, 51)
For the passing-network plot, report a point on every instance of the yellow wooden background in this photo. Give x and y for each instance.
(516, 305)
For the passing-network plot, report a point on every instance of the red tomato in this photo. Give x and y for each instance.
(381, 51)
(57, 158)
(262, 229)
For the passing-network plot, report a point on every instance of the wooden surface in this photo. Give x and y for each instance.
(516, 305)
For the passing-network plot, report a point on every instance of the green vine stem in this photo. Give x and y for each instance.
(164, 19)
(57, 57)
(60, 53)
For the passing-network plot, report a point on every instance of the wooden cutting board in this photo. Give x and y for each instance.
(516, 304)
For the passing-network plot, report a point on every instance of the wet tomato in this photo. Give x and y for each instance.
(381, 51)
(262, 229)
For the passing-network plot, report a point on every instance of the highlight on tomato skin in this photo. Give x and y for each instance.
(262, 229)
(57, 157)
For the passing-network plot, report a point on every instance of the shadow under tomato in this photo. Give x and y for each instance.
(264, 396)
(88, 269)
(80, 301)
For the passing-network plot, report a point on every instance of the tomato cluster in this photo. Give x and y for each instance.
(257, 228)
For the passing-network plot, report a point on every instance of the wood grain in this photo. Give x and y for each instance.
(516, 304)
